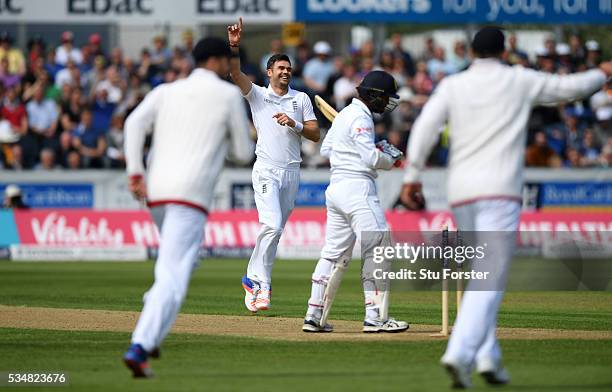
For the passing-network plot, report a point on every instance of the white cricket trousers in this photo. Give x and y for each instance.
(275, 190)
(353, 207)
(473, 337)
(182, 232)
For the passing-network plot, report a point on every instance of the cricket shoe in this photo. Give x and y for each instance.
(311, 324)
(263, 297)
(251, 289)
(493, 372)
(460, 373)
(135, 358)
(391, 326)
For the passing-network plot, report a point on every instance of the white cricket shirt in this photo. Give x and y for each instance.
(487, 108)
(278, 145)
(194, 122)
(349, 144)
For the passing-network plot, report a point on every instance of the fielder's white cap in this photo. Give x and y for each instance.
(12, 191)
(592, 45)
(322, 47)
(562, 49)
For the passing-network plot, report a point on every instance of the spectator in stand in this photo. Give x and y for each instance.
(590, 149)
(93, 77)
(437, 66)
(345, 87)
(68, 75)
(319, 68)
(51, 66)
(577, 51)
(187, 47)
(43, 117)
(593, 55)
(574, 131)
(544, 60)
(47, 160)
(161, 55)
(429, 49)
(13, 111)
(114, 140)
(95, 45)
(423, 84)
(14, 56)
(67, 51)
(515, 54)
(574, 159)
(551, 48)
(539, 154)
(113, 85)
(147, 71)
(71, 111)
(89, 141)
(398, 51)
(6, 77)
(403, 117)
(36, 50)
(102, 111)
(564, 57)
(73, 160)
(459, 60)
(276, 47)
(605, 159)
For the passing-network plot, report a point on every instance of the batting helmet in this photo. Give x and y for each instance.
(376, 90)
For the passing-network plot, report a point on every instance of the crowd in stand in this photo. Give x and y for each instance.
(65, 106)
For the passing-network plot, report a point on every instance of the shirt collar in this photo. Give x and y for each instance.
(486, 61)
(362, 106)
(290, 93)
(203, 72)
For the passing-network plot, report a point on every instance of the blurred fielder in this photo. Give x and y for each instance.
(281, 116)
(353, 206)
(487, 108)
(191, 120)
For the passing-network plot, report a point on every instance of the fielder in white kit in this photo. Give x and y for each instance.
(194, 122)
(487, 108)
(353, 206)
(281, 116)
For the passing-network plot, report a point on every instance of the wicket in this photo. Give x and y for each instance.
(444, 332)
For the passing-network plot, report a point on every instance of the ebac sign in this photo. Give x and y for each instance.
(456, 11)
(146, 11)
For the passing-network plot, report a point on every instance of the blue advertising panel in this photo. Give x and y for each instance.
(54, 195)
(579, 194)
(8, 229)
(309, 194)
(455, 11)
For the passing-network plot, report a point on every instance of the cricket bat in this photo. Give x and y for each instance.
(328, 111)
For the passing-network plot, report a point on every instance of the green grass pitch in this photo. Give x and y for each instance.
(223, 363)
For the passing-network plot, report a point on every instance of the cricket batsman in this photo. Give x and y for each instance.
(196, 122)
(282, 116)
(487, 108)
(353, 206)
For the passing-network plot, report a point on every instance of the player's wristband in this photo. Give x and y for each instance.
(299, 127)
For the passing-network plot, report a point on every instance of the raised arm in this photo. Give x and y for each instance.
(550, 88)
(234, 33)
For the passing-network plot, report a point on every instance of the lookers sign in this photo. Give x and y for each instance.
(146, 11)
(455, 11)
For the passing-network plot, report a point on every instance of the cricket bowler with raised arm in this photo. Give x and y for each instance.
(353, 206)
(195, 123)
(487, 108)
(282, 116)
